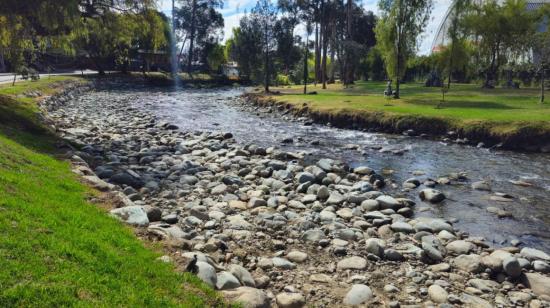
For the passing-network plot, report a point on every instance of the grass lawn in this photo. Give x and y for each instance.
(462, 102)
(57, 249)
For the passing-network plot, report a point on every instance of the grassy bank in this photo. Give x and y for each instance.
(56, 248)
(498, 115)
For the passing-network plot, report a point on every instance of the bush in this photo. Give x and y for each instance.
(282, 80)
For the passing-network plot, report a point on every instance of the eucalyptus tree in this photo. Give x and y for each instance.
(397, 31)
(265, 13)
(200, 22)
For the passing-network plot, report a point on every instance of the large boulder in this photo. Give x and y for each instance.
(539, 284)
(290, 300)
(133, 215)
(432, 195)
(353, 263)
(358, 294)
(247, 297)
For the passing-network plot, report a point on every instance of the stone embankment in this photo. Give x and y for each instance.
(267, 230)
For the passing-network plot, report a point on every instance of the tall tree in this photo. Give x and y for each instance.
(266, 15)
(456, 36)
(200, 22)
(397, 31)
(501, 32)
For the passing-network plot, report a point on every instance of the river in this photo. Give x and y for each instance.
(221, 110)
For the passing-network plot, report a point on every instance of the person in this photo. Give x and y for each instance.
(388, 91)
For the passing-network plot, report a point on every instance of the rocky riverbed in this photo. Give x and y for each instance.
(269, 228)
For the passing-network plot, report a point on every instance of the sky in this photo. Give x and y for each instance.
(233, 10)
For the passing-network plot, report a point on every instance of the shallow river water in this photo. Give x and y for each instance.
(218, 110)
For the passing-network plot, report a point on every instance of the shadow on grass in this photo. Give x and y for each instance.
(21, 124)
(463, 104)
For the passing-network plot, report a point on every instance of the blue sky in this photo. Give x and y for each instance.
(234, 9)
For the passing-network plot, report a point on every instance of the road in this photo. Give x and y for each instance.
(8, 77)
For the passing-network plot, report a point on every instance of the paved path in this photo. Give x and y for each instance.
(8, 77)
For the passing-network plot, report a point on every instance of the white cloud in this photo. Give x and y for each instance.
(231, 22)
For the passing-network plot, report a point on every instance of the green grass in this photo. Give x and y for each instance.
(56, 248)
(501, 110)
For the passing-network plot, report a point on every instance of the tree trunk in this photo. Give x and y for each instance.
(305, 61)
(191, 38)
(324, 65)
(332, 78)
(14, 78)
(317, 52)
(397, 71)
(266, 64)
(2, 63)
(450, 66)
(542, 77)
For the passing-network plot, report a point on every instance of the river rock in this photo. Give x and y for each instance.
(256, 202)
(313, 236)
(511, 267)
(401, 226)
(354, 262)
(459, 247)
(484, 285)
(375, 246)
(481, 185)
(363, 170)
(539, 284)
(247, 297)
(242, 275)
(335, 199)
(534, 254)
(468, 263)
(358, 294)
(297, 256)
(474, 301)
(225, 281)
(323, 193)
(290, 300)
(437, 294)
(283, 263)
(133, 215)
(206, 273)
(541, 266)
(388, 202)
(432, 195)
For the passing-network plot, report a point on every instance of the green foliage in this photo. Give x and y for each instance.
(108, 31)
(57, 249)
(397, 33)
(282, 80)
(503, 33)
(216, 57)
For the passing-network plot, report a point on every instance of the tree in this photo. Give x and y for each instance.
(397, 31)
(501, 33)
(103, 28)
(456, 35)
(245, 47)
(199, 22)
(215, 56)
(266, 15)
(541, 48)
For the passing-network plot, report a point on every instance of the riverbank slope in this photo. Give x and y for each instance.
(510, 118)
(58, 245)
